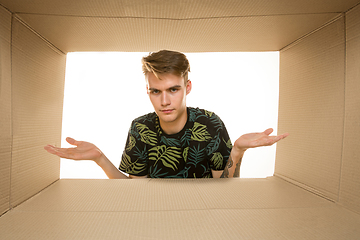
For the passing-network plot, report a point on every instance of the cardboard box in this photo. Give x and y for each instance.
(178, 209)
(315, 191)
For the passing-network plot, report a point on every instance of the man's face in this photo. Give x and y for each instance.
(168, 97)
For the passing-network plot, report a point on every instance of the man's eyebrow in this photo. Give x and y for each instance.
(176, 86)
(152, 89)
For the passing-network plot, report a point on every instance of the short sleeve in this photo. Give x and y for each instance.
(134, 157)
(219, 148)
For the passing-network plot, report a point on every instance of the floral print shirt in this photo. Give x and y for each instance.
(203, 144)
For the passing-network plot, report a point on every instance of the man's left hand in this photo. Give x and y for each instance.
(253, 140)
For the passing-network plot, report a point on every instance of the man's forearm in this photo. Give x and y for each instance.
(110, 170)
(232, 168)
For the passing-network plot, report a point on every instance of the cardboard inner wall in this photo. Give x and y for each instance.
(350, 181)
(311, 108)
(319, 105)
(188, 26)
(35, 93)
(5, 109)
(147, 34)
(178, 209)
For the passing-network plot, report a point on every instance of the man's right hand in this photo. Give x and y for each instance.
(82, 151)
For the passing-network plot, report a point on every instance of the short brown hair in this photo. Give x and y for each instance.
(166, 62)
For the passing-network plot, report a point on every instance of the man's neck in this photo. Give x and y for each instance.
(174, 127)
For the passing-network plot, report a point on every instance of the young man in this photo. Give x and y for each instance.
(175, 141)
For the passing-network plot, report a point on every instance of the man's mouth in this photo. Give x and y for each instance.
(167, 110)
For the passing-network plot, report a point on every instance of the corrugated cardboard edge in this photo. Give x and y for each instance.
(306, 187)
(53, 47)
(5, 109)
(341, 15)
(349, 195)
(11, 207)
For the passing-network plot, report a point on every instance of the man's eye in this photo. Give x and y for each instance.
(155, 91)
(173, 90)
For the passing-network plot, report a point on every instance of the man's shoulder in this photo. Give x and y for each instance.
(201, 117)
(148, 118)
(197, 114)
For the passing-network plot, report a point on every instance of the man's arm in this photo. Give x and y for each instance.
(88, 151)
(232, 169)
(110, 170)
(246, 141)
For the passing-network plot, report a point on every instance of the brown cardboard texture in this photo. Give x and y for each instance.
(315, 191)
(189, 26)
(314, 102)
(37, 93)
(179, 209)
(350, 181)
(5, 109)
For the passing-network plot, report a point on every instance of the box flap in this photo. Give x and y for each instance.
(311, 109)
(178, 209)
(38, 73)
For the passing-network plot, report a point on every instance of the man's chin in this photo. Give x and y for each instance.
(167, 119)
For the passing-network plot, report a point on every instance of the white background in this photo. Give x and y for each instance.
(105, 91)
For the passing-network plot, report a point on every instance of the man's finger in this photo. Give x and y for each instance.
(72, 141)
(282, 136)
(268, 131)
(49, 148)
(53, 150)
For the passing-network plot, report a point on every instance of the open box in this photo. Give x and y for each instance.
(314, 193)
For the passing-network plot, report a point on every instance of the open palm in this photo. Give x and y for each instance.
(252, 140)
(82, 151)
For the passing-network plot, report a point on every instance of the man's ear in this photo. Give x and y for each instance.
(188, 87)
(147, 89)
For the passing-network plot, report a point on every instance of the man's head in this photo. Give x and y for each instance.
(167, 85)
(166, 62)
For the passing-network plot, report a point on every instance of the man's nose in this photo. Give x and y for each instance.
(165, 99)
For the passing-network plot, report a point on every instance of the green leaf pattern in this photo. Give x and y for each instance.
(213, 144)
(169, 156)
(200, 133)
(147, 136)
(202, 145)
(228, 143)
(217, 159)
(131, 143)
(129, 166)
(185, 153)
